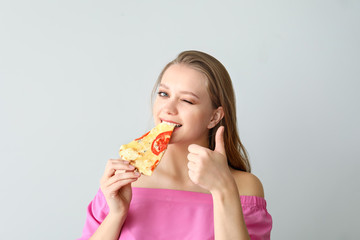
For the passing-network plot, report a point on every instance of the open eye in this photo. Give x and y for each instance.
(162, 94)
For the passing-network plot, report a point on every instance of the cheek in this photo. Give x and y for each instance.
(206, 117)
(199, 117)
(156, 106)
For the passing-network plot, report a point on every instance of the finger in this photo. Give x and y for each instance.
(109, 173)
(193, 177)
(121, 177)
(114, 162)
(118, 185)
(191, 166)
(194, 148)
(192, 157)
(113, 166)
(219, 141)
(125, 170)
(118, 160)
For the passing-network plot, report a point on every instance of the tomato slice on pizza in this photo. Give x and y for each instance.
(160, 143)
(145, 152)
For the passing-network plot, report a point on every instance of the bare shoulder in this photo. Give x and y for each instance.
(248, 184)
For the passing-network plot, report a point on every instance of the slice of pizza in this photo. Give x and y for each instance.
(145, 152)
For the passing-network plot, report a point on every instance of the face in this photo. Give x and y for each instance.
(183, 99)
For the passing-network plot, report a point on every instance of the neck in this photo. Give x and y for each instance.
(174, 161)
(172, 172)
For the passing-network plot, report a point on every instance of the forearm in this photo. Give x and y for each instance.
(228, 217)
(110, 228)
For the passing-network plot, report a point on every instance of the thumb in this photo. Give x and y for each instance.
(219, 141)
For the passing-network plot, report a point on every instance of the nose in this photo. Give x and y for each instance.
(170, 107)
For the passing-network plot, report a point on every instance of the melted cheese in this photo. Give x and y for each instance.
(139, 152)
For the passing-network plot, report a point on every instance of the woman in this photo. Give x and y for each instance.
(203, 188)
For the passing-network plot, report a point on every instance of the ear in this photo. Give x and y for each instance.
(218, 114)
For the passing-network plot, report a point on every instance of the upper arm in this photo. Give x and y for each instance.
(248, 184)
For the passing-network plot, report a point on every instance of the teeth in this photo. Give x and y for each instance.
(173, 124)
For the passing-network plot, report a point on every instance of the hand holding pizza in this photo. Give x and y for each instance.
(207, 168)
(116, 184)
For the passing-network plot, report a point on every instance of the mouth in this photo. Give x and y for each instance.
(177, 125)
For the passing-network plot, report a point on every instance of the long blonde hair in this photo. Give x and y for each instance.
(221, 93)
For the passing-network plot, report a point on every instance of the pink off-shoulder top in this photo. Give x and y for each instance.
(177, 215)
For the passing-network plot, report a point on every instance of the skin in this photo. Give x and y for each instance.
(188, 164)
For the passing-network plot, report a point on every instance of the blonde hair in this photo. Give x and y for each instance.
(221, 94)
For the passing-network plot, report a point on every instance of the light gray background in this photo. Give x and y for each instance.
(75, 82)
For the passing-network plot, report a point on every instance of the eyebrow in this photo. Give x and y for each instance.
(183, 92)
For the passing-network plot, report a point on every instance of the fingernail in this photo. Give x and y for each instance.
(131, 167)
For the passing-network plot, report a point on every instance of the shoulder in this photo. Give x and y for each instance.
(248, 184)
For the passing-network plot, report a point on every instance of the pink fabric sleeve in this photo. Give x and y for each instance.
(257, 219)
(96, 213)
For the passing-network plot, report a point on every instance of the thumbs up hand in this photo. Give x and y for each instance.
(207, 168)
